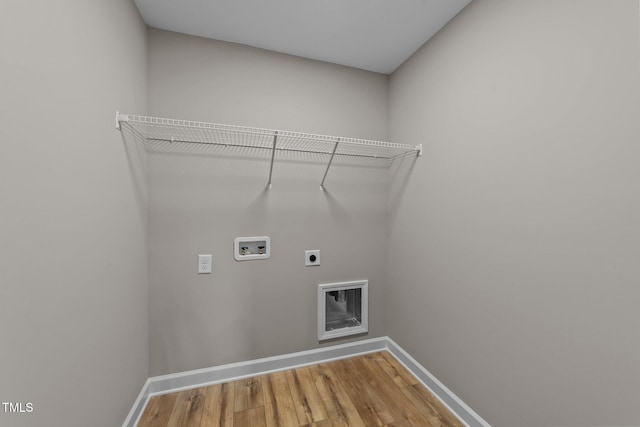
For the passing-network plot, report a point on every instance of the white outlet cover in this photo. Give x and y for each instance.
(309, 254)
(204, 264)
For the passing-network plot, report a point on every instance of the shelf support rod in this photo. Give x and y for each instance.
(333, 153)
(273, 155)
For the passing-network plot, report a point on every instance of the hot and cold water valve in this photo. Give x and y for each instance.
(246, 248)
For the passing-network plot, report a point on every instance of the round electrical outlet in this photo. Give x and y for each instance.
(312, 258)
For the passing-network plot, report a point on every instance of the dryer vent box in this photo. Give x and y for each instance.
(343, 309)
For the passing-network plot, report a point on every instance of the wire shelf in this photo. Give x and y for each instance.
(155, 130)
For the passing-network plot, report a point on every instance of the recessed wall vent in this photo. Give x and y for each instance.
(343, 309)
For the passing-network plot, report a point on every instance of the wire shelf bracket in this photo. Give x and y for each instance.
(333, 154)
(273, 156)
(154, 129)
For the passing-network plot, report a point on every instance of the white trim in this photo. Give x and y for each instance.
(446, 396)
(138, 407)
(235, 371)
(201, 377)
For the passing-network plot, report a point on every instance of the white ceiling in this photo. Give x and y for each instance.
(374, 35)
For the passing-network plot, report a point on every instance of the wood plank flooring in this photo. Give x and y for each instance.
(363, 391)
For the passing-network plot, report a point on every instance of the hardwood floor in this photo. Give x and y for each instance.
(363, 391)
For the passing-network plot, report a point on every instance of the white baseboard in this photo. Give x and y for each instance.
(446, 396)
(138, 407)
(202, 377)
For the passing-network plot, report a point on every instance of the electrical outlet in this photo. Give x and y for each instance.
(204, 264)
(312, 258)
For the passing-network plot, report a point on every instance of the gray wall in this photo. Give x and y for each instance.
(73, 296)
(514, 244)
(511, 246)
(199, 202)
